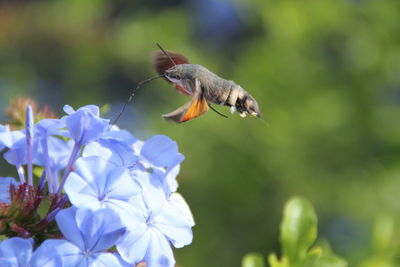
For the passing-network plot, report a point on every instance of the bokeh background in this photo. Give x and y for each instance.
(326, 75)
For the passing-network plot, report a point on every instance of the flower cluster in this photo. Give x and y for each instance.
(112, 199)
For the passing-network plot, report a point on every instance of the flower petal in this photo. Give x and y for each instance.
(96, 183)
(179, 202)
(17, 248)
(17, 153)
(50, 253)
(171, 221)
(159, 253)
(67, 224)
(122, 136)
(152, 189)
(100, 229)
(171, 185)
(81, 193)
(161, 151)
(10, 138)
(117, 152)
(120, 184)
(11, 262)
(85, 125)
(133, 248)
(68, 109)
(104, 260)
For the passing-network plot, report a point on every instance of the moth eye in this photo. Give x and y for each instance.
(174, 76)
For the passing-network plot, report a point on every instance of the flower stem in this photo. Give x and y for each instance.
(30, 171)
(47, 165)
(68, 169)
(29, 126)
(20, 172)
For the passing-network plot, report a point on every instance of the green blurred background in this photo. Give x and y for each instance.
(326, 75)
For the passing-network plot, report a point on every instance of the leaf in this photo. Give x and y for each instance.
(383, 233)
(298, 229)
(330, 261)
(253, 260)
(323, 257)
(274, 261)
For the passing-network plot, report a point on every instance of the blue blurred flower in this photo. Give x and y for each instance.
(5, 183)
(16, 142)
(117, 183)
(156, 169)
(85, 125)
(150, 234)
(115, 146)
(3, 129)
(9, 138)
(160, 151)
(88, 233)
(97, 183)
(15, 252)
(47, 150)
(52, 152)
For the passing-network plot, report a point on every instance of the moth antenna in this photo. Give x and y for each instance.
(162, 49)
(216, 111)
(140, 84)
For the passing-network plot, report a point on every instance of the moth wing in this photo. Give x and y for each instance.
(183, 90)
(195, 108)
(187, 87)
(161, 62)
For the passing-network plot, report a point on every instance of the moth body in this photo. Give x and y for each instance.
(205, 87)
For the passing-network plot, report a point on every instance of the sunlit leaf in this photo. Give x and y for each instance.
(253, 260)
(298, 229)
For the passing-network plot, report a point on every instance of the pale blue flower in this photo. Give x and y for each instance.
(16, 142)
(96, 183)
(16, 252)
(160, 151)
(9, 138)
(3, 129)
(87, 235)
(85, 125)
(156, 169)
(115, 146)
(151, 233)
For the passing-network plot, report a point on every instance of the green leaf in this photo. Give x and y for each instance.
(330, 261)
(274, 261)
(383, 233)
(323, 257)
(298, 229)
(253, 260)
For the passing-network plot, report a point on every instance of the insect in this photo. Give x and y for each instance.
(205, 87)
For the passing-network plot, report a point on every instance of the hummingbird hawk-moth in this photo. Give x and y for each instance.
(203, 86)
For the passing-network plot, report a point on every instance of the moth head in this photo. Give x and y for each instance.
(174, 74)
(251, 106)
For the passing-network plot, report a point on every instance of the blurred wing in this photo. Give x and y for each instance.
(195, 108)
(161, 62)
(182, 89)
(187, 87)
